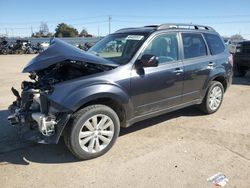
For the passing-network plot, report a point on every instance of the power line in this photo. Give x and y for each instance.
(79, 24)
(148, 17)
(183, 17)
(53, 21)
(145, 22)
(229, 22)
(130, 19)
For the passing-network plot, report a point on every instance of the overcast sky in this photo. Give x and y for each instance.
(19, 18)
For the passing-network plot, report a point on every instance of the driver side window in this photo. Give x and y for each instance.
(165, 47)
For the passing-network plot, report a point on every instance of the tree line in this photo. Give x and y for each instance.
(62, 30)
(65, 30)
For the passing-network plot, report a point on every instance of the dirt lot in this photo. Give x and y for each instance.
(180, 149)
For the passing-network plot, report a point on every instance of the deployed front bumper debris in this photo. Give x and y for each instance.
(30, 111)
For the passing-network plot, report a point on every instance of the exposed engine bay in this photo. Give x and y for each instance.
(60, 72)
(32, 106)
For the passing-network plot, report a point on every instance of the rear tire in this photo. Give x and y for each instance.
(213, 99)
(92, 131)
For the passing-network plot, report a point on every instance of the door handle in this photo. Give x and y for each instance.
(178, 71)
(210, 65)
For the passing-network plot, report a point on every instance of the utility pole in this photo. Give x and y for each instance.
(6, 31)
(98, 31)
(110, 24)
(31, 29)
(12, 32)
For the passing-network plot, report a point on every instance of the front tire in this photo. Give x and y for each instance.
(213, 99)
(92, 131)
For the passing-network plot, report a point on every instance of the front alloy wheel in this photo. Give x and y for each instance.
(96, 133)
(92, 131)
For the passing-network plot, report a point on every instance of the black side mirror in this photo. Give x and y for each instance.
(148, 60)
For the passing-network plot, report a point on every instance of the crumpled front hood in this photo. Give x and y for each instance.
(59, 51)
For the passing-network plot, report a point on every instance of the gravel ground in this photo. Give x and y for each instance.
(179, 149)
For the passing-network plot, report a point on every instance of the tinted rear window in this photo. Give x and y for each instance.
(194, 45)
(214, 43)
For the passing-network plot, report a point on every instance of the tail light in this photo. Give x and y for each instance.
(230, 59)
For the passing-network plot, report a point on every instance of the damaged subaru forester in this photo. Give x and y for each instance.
(128, 76)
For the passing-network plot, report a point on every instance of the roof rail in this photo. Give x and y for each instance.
(151, 26)
(184, 26)
(124, 29)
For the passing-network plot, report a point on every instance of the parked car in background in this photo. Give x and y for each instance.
(231, 45)
(44, 45)
(86, 46)
(128, 76)
(21, 46)
(227, 41)
(3, 46)
(242, 58)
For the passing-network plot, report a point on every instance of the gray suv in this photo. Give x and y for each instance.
(128, 76)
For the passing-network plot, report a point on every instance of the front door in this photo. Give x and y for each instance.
(157, 88)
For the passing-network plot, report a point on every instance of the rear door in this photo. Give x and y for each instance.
(157, 88)
(196, 63)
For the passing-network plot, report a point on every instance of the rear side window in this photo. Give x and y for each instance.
(214, 43)
(194, 45)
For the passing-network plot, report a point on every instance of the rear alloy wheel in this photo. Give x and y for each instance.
(213, 99)
(92, 132)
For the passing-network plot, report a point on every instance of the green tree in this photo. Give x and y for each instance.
(236, 37)
(64, 30)
(83, 33)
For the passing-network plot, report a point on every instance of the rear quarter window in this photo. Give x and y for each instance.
(215, 43)
(193, 45)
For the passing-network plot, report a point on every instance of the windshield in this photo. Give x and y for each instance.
(118, 48)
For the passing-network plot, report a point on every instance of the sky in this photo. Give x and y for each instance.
(20, 18)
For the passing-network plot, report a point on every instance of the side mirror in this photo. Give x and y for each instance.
(148, 60)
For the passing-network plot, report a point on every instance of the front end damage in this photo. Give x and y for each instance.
(36, 115)
(40, 117)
